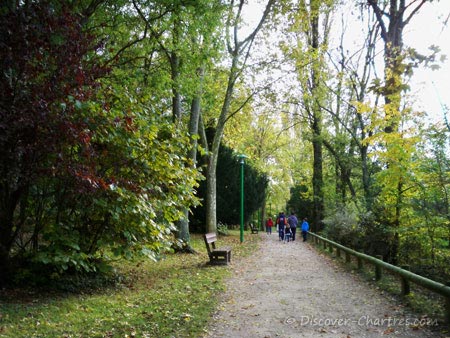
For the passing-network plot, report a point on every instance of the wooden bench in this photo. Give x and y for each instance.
(253, 228)
(216, 255)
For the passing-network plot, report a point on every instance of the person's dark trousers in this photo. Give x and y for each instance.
(304, 233)
(294, 230)
(281, 234)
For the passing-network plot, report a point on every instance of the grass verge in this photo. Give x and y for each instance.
(173, 297)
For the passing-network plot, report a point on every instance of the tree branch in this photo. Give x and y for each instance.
(415, 10)
(379, 14)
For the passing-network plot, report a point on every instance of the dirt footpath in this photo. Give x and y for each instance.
(290, 290)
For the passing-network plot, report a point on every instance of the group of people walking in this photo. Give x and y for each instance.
(287, 227)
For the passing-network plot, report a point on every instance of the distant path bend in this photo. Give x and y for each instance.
(290, 290)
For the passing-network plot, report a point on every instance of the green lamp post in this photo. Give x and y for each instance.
(241, 161)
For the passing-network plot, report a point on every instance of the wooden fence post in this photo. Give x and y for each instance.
(378, 268)
(406, 276)
(347, 257)
(338, 252)
(447, 307)
(406, 289)
(360, 263)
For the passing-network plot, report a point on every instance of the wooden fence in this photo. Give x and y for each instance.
(405, 276)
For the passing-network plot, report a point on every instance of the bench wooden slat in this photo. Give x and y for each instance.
(210, 237)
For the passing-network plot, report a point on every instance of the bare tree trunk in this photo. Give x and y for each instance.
(183, 224)
(211, 181)
(236, 49)
(8, 206)
(211, 204)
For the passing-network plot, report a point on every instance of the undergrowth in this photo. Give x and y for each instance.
(173, 297)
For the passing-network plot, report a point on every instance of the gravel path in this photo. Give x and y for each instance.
(291, 290)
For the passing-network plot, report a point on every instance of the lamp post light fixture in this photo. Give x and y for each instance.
(241, 161)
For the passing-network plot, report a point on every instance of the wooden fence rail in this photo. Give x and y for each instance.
(405, 275)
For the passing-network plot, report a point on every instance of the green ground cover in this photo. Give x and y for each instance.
(173, 297)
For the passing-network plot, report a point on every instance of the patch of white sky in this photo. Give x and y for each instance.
(280, 75)
(428, 27)
(431, 87)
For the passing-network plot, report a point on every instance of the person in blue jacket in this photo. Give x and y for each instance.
(281, 222)
(305, 228)
(293, 222)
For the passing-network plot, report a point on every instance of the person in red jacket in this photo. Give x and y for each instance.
(269, 225)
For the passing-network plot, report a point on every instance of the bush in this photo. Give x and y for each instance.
(344, 228)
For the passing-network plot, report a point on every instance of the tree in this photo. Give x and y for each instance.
(394, 68)
(346, 138)
(45, 78)
(228, 190)
(178, 49)
(392, 18)
(300, 201)
(311, 75)
(238, 51)
(90, 164)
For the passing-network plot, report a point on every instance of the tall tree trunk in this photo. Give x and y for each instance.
(318, 211)
(317, 181)
(182, 233)
(236, 49)
(361, 132)
(8, 205)
(183, 224)
(211, 181)
(211, 195)
(176, 97)
(392, 36)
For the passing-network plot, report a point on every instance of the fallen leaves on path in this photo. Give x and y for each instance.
(290, 290)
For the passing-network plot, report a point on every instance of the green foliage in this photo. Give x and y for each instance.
(343, 227)
(300, 201)
(222, 229)
(94, 168)
(132, 196)
(425, 238)
(258, 131)
(175, 296)
(115, 175)
(47, 81)
(229, 190)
